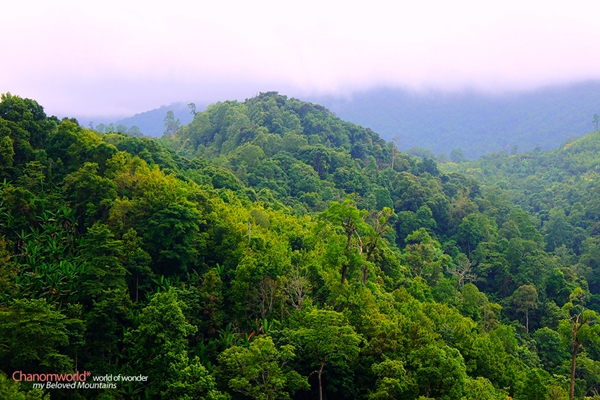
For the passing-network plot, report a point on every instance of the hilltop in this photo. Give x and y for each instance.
(439, 122)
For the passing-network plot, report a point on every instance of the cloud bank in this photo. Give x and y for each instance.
(118, 58)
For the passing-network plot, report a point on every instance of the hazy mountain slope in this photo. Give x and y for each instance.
(441, 122)
(151, 123)
(476, 123)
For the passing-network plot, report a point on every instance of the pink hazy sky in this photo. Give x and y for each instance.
(122, 57)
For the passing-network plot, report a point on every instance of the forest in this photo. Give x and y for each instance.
(270, 250)
(475, 122)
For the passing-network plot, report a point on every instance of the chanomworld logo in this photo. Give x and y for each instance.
(76, 380)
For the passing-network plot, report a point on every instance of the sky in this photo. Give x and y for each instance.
(118, 58)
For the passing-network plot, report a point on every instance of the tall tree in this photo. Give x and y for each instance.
(525, 298)
(171, 124)
(326, 339)
(578, 329)
(160, 344)
(352, 221)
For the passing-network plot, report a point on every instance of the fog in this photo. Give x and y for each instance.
(119, 58)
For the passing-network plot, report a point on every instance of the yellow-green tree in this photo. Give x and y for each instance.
(260, 370)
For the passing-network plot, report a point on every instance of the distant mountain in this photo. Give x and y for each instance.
(151, 123)
(476, 123)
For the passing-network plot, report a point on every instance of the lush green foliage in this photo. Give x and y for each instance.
(271, 250)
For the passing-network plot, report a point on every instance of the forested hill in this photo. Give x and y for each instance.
(271, 250)
(474, 122)
(302, 155)
(439, 122)
(559, 188)
(272, 120)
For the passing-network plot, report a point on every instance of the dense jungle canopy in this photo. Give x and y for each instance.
(270, 250)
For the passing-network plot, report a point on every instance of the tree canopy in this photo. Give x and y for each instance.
(269, 249)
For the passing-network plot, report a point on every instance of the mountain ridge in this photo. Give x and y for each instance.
(476, 123)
